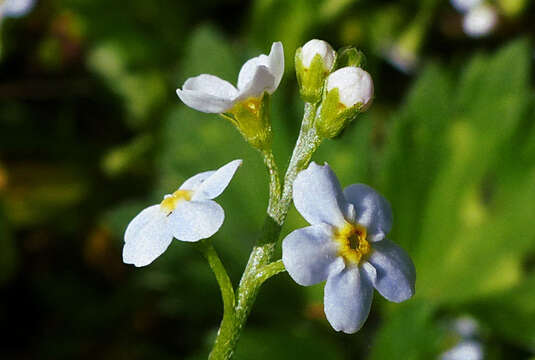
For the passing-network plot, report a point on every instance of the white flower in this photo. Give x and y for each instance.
(315, 47)
(346, 246)
(465, 5)
(189, 214)
(354, 86)
(480, 21)
(16, 8)
(210, 94)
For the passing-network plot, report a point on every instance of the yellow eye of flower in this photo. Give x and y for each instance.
(170, 203)
(352, 242)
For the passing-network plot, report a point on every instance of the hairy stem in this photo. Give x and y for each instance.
(274, 186)
(307, 143)
(261, 266)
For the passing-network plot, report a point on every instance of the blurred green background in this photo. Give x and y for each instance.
(91, 132)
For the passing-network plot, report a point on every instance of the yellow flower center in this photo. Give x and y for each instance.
(170, 203)
(352, 243)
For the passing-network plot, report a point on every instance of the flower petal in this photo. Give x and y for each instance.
(248, 70)
(347, 299)
(207, 93)
(395, 271)
(196, 180)
(216, 183)
(276, 64)
(146, 237)
(373, 210)
(310, 255)
(318, 196)
(261, 80)
(196, 220)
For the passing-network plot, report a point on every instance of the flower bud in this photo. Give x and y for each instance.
(348, 92)
(313, 62)
(349, 56)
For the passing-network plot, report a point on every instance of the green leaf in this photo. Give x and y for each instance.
(409, 333)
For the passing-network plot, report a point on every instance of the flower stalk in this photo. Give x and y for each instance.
(261, 266)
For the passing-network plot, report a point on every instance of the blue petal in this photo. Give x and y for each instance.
(395, 271)
(318, 196)
(309, 255)
(373, 210)
(348, 298)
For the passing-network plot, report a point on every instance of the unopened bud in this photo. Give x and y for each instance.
(348, 92)
(313, 62)
(349, 56)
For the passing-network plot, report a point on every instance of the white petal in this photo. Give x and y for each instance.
(373, 210)
(318, 196)
(354, 86)
(395, 271)
(323, 48)
(193, 182)
(347, 299)
(207, 93)
(276, 64)
(248, 70)
(216, 183)
(262, 80)
(146, 237)
(196, 220)
(310, 255)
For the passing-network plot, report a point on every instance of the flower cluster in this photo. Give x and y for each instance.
(346, 244)
(334, 80)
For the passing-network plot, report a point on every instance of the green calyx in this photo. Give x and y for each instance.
(311, 79)
(251, 118)
(349, 56)
(334, 116)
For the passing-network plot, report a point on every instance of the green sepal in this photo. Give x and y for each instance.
(310, 79)
(349, 56)
(251, 118)
(334, 116)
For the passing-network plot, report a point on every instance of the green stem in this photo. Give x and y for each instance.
(307, 143)
(274, 185)
(261, 266)
(227, 294)
(221, 275)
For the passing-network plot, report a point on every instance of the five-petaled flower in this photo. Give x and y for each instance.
(346, 245)
(189, 214)
(210, 94)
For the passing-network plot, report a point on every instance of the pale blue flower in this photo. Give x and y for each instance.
(210, 94)
(345, 245)
(189, 214)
